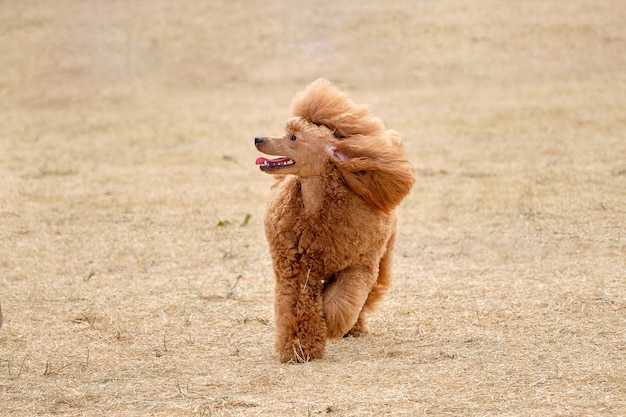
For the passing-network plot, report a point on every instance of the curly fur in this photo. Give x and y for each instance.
(330, 222)
(323, 104)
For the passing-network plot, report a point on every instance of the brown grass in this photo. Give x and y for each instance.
(131, 283)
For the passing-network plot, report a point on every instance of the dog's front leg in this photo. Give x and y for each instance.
(344, 298)
(300, 325)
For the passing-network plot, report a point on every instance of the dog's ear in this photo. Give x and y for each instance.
(335, 154)
(375, 168)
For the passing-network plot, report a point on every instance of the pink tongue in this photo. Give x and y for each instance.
(261, 161)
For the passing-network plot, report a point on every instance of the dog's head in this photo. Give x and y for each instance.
(303, 150)
(329, 131)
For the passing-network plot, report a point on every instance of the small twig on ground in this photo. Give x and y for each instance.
(300, 357)
(231, 291)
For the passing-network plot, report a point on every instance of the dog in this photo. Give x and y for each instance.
(330, 222)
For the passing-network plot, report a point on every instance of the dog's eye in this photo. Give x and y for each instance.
(294, 137)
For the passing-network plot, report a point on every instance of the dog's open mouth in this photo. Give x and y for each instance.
(266, 164)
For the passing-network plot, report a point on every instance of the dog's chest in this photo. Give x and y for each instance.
(292, 228)
(342, 230)
(296, 231)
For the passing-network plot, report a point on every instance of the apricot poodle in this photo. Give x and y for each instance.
(330, 222)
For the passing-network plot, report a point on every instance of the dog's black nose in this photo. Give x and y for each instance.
(258, 140)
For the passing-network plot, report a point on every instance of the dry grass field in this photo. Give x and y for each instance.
(134, 274)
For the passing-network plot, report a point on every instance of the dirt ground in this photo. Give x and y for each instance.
(134, 273)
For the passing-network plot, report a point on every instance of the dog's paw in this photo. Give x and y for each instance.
(355, 333)
(296, 352)
(359, 329)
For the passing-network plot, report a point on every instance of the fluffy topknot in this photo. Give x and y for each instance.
(371, 160)
(322, 103)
